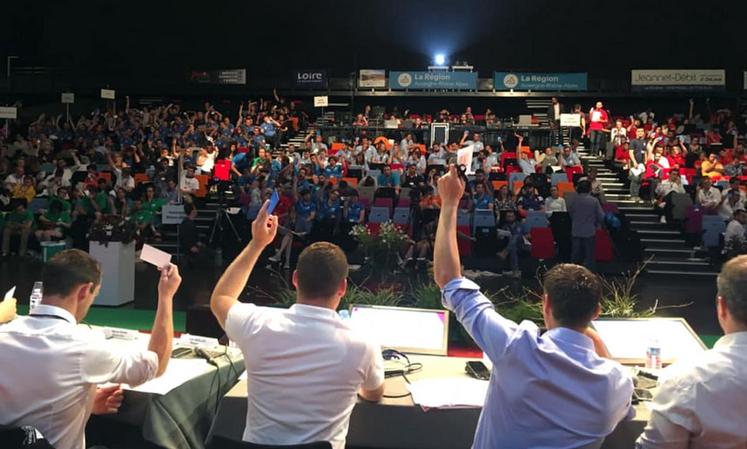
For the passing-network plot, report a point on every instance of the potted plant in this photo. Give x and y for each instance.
(381, 248)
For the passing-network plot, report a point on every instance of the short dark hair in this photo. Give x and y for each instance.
(732, 286)
(574, 292)
(583, 186)
(320, 269)
(69, 269)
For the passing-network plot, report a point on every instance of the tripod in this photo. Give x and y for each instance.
(220, 215)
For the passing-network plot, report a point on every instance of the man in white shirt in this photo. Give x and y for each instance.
(50, 366)
(555, 390)
(304, 365)
(673, 184)
(189, 185)
(700, 404)
(708, 196)
(734, 236)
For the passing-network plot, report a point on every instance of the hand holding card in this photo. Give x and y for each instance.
(274, 200)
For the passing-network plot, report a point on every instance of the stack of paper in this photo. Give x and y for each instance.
(454, 392)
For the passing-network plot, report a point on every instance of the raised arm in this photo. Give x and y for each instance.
(162, 333)
(446, 263)
(232, 283)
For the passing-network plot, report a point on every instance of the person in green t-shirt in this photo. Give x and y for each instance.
(53, 223)
(18, 222)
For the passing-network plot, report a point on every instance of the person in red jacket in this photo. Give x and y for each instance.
(598, 119)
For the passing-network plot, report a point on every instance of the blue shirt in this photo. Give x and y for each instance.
(327, 211)
(546, 391)
(304, 209)
(268, 129)
(333, 171)
(240, 161)
(482, 202)
(354, 212)
(388, 181)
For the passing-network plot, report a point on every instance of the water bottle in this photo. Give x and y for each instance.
(36, 295)
(218, 257)
(653, 354)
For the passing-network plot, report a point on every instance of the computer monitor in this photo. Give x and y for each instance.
(417, 331)
(628, 338)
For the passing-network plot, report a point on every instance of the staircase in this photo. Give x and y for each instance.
(665, 246)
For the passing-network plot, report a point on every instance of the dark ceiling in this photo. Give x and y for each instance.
(270, 38)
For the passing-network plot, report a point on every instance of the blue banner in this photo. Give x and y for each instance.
(311, 79)
(433, 80)
(539, 81)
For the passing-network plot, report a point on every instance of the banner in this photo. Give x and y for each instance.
(570, 120)
(226, 77)
(539, 81)
(172, 213)
(68, 98)
(311, 79)
(8, 112)
(678, 79)
(108, 94)
(433, 80)
(371, 78)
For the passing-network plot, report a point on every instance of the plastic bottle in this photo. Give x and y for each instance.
(36, 295)
(653, 354)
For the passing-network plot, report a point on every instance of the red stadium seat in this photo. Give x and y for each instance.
(603, 247)
(570, 171)
(464, 245)
(543, 244)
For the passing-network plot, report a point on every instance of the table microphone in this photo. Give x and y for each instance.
(204, 355)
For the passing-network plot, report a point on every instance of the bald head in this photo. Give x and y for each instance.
(732, 287)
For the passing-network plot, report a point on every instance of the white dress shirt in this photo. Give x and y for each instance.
(701, 404)
(546, 391)
(50, 368)
(304, 368)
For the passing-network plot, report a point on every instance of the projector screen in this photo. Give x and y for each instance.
(418, 331)
(628, 339)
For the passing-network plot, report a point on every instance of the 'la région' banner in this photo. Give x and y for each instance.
(433, 80)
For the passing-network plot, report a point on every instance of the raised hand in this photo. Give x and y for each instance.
(264, 227)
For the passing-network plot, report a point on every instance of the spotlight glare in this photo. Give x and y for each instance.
(440, 59)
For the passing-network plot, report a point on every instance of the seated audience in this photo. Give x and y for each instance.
(17, 222)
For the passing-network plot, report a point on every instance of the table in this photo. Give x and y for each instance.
(174, 411)
(399, 423)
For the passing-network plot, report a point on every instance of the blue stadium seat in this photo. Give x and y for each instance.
(378, 214)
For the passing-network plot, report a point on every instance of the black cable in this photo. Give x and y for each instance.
(409, 368)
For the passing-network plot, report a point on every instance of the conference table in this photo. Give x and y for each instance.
(400, 423)
(173, 411)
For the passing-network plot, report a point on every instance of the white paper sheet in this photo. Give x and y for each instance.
(178, 372)
(457, 392)
(155, 256)
(464, 157)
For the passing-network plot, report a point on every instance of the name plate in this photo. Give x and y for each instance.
(121, 334)
(198, 341)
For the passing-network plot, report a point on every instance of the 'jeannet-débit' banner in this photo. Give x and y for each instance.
(433, 80)
(311, 79)
(678, 79)
(540, 81)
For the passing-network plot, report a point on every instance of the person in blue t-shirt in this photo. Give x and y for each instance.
(354, 212)
(388, 178)
(328, 218)
(481, 198)
(239, 163)
(333, 169)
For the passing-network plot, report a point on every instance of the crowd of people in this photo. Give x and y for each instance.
(130, 165)
(555, 389)
(61, 175)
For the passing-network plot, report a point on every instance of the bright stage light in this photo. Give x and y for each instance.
(439, 59)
